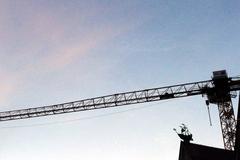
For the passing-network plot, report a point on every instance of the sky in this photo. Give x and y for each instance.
(56, 51)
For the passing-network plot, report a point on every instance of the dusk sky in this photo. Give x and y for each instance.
(56, 51)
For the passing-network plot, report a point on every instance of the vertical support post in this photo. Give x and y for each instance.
(228, 123)
(237, 138)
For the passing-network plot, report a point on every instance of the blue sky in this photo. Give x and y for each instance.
(59, 51)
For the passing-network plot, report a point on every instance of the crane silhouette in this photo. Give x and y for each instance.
(219, 90)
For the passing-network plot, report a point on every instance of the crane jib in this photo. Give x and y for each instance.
(119, 99)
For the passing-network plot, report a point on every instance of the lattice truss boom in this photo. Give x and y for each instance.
(120, 99)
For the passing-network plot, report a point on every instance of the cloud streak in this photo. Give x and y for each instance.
(44, 41)
(8, 85)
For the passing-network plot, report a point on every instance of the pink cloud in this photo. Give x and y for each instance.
(70, 53)
(50, 39)
(61, 56)
(49, 44)
(8, 86)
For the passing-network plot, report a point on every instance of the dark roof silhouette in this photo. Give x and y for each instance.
(190, 151)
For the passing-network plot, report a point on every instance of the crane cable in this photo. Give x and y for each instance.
(209, 115)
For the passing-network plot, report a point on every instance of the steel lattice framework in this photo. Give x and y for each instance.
(119, 99)
(217, 90)
(228, 123)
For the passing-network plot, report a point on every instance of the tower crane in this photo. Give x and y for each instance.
(219, 90)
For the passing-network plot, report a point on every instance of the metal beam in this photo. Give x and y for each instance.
(228, 123)
(119, 99)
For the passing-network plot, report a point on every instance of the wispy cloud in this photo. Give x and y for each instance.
(47, 40)
(7, 86)
(70, 53)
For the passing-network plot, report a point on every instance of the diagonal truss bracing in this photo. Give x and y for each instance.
(119, 99)
(228, 123)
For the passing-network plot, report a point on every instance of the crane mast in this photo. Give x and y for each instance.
(221, 95)
(218, 90)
